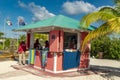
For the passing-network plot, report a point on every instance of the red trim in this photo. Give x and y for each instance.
(28, 40)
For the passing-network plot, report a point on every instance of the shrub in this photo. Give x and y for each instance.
(109, 46)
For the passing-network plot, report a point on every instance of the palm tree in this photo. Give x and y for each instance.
(1, 34)
(22, 37)
(110, 18)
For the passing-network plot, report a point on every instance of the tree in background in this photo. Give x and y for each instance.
(110, 18)
(1, 34)
(22, 38)
(100, 44)
(110, 46)
(2, 40)
(7, 43)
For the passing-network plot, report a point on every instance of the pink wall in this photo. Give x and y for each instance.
(84, 59)
(28, 40)
(56, 41)
(56, 45)
(61, 40)
(50, 61)
(59, 61)
(38, 59)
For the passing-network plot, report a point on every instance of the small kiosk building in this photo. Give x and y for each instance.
(65, 39)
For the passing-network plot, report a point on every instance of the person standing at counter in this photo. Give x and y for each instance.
(44, 54)
(37, 45)
(46, 44)
(73, 45)
(33, 52)
(21, 51)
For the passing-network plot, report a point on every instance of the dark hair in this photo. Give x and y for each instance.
(46, 42)
(37, 41)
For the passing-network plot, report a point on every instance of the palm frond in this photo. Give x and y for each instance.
(95, 16)
(112, 25)
(116, 1)
(110, 10)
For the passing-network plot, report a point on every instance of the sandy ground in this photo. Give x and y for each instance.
(9, 73)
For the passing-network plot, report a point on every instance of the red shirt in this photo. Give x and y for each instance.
(22, 48)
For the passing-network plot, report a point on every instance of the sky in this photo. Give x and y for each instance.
(34, 10)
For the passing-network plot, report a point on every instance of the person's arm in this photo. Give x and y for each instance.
(19, 49)
(25, 48)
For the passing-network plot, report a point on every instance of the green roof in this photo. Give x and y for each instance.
(57, 21)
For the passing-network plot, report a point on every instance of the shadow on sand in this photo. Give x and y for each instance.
(110, 72)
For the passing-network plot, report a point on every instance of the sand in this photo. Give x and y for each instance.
(9, 73)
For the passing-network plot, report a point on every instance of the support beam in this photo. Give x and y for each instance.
(55, 63)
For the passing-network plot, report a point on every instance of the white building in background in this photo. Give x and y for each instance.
(2, 41)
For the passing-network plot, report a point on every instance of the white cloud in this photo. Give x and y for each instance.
(78, 7)
(22, 4)
(39, 13)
